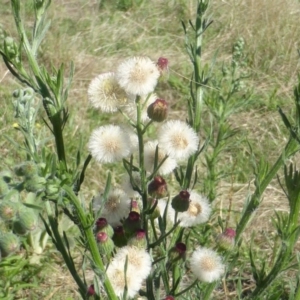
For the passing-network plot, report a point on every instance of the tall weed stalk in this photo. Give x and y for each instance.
(154, 237)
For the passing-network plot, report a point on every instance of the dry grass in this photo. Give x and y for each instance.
(271, 32)
(96, 40)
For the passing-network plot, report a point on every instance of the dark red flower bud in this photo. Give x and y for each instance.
(226, 239)
(91, 290)
(119, 237)
(158, 110)
(169, 298)
(139, 239)
(162, 63)
(102, 226)
(157, 188)
(181, 202)
(177, 252)
(132, 223)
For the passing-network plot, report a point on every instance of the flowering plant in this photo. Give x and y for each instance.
(150, 235)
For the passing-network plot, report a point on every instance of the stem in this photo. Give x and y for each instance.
(209, 290)
(59, 139)
(91, 241)
(297, 293)
(291, 147)
(198, 67)
(40, 85)
(153, 229)
(68, 260)
(175, 277)
(163, 237)
(149, 284)
(195, 120)
(141, 156)
(281, 261)
(187, 289)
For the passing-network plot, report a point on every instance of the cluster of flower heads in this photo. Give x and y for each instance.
(121, 216)
(120, 223)
(117, 91)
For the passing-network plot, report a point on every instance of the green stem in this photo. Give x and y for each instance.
(195, 122)
(294, 214)
(144, 190)
(153, 229)
(163, 237)
(198, 67)
(59, 139)
(209, 290)
(68, 260)
(282, 259)
(41, 86)
(91, 241)
(175, 277)
(149, 284)
(297, 293)
(291, 147)
(187, 289)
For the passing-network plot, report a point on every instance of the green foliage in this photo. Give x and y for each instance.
(16, 274)
(47, 183)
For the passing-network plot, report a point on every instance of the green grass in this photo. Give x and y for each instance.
(97, 37)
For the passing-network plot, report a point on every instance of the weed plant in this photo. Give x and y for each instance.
(156, 233)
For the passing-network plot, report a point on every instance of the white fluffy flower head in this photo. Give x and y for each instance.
(137, 75)
(133, 138)
(109, 144)
(138, 268)
(168, 165)
(178, 139)
(116, 276)
(115, 208)
(105, 93)
(198, 212)
(206, 265)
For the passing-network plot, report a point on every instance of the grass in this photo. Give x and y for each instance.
(97, 38)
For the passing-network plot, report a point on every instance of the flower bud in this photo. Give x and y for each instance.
(6, 176)
(18, 228)
(132, 223)
(91, 290)
(35, 184)
(4, 188)
(9, 41)
(16, 93)
(158, 110)
(169, 297)
(102, 225)
(157, 188)
(135, 206)
(27, 169)
(10, 47)
(27, 219)
(226, 239)
(181, 202)
(28, 95)
(8, 210)
(105, 243)
(119, 237)
(9, 243)
(162, 64)
(177, 252)
(3, 34)
(156, 213)
(139, 239)
(52, 189)
(39, 4)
